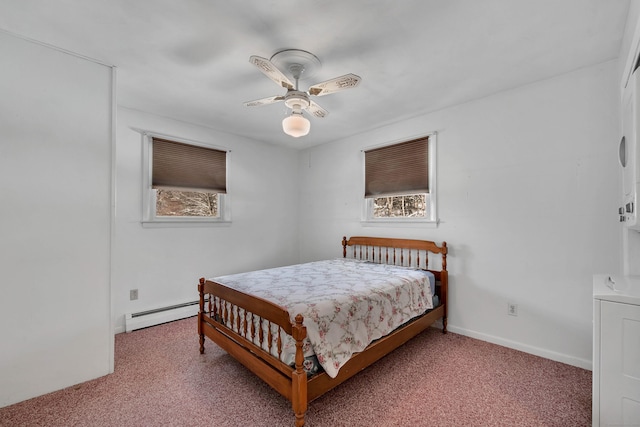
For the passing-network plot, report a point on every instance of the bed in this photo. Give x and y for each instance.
(281, 324)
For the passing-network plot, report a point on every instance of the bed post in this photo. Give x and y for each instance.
(299, 376)
(344, 246)
(201, 313)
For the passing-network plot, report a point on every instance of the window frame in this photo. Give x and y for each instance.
(432, 219)
(149, 217)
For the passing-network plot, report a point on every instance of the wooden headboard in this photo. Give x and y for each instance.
(402, 252)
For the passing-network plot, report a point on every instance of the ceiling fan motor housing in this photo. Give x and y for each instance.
(296, 99)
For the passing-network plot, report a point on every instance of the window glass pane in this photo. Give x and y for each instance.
(405, 206)
(186, 203)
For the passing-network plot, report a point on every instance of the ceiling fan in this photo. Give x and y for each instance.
(300, 64)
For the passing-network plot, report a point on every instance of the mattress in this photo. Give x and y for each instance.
(346, 304)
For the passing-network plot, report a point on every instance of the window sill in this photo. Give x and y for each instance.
(400, 222)
(183, 223)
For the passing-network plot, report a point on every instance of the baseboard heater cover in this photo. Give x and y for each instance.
(144, 319)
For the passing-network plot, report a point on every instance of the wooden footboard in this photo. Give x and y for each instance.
(252, 329)
(237, 322)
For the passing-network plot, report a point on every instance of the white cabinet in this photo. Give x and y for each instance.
(616, 350)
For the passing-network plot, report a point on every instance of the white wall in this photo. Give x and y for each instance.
(55, 175)
(629, 41)
(528, 194)
(164, 264)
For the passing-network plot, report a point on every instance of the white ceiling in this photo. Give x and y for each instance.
(189, 59)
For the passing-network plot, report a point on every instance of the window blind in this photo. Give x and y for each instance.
(181, 166)
(397, 169)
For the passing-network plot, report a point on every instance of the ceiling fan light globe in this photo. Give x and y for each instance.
(296, 125)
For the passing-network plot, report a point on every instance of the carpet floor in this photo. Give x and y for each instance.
(161, 379)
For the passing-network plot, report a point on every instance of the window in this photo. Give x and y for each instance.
(400, 182)
(185, 182)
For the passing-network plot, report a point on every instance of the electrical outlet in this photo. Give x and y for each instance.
(512, 309)
(133, 294)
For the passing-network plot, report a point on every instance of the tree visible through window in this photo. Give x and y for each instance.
(409, 206)
(186, 203)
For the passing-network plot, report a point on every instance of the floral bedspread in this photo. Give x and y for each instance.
(346, 303)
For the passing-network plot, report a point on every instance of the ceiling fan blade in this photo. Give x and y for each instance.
(316, 110)
(335, 85)
(271, 71)
(264, 101)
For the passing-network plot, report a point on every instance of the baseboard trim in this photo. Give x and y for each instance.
(536, 351)
(157, 316)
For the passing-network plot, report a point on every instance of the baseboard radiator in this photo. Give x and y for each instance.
(144, 319)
